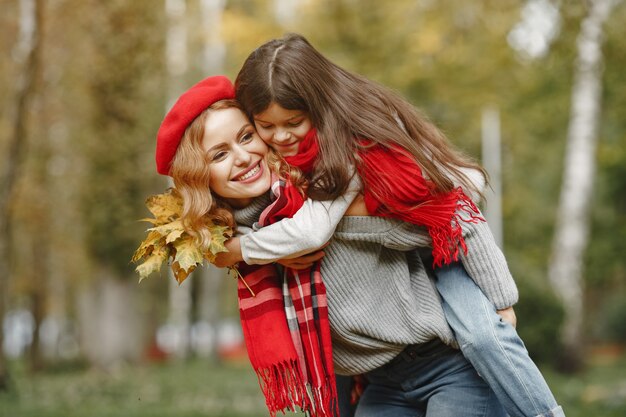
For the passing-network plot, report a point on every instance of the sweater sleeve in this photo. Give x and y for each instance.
(484, 262)
(309, 229)
(487, 266)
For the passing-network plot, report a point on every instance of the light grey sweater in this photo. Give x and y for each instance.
(314, 224)
(380, 295)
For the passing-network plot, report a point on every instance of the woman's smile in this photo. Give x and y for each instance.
(236, 157)
(251, 174)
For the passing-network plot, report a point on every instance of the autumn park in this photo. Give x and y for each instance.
(534, 90)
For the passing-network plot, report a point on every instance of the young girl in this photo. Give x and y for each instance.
(287, 88)
(391, 328)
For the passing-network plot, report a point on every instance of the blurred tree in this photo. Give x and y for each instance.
(177, 64)
(27, 56)
(605, 268)
(211, 279)
(246, 24)
(32, 221)
(48, 203)
(573, 222)
(124, 87)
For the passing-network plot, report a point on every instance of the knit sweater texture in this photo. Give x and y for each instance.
(381, 296)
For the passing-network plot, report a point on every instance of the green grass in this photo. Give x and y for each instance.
(599, 391)
(191, 389)
(195, 389)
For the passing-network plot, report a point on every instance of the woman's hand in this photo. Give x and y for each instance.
(359, 382)
(302, 262)
(508, 315)
(230, 258)
(357, 208)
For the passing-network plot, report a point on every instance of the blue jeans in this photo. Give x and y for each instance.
(493, 346)
(344, 388)
(428, 380)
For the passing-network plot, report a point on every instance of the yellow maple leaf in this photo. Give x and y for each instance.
(153, 262)
(173, 235)
(147, 246)
(181, 274)
(168, 239)
(165, 206)
(188, 254)
(167, 228)
(219, 235)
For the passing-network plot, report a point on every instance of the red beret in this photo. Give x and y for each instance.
(188, 106)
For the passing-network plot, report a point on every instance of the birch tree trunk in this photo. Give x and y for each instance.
(27, 56)
(572, 225)
(214, 48)
(180, 300)
(492, 161)
(286, 10)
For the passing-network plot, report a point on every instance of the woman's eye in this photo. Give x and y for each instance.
(295, 123)
(218, 156)
(262, 126)
(246, 137)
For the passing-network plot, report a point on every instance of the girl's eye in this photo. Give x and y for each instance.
(295, 123)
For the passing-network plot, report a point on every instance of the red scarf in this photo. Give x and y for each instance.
(286, 326)
(395, 187)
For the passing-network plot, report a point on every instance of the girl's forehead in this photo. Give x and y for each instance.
(276, 111)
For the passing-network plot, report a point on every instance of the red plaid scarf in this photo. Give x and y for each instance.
(286, 327)
(395, 187)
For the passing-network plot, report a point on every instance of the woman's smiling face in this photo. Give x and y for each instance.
(236, 154)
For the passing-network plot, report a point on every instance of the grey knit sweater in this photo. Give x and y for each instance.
(380, 295)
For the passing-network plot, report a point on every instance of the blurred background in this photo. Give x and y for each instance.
(531, 88)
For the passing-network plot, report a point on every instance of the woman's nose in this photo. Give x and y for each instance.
(242, 156)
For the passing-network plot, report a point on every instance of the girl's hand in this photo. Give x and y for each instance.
(357, 208)
(302, 262)
(230, 258)
(508, 315)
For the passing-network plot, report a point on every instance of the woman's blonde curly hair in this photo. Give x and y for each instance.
(191, 174)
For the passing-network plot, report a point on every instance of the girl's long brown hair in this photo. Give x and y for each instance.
(191, 174)
(344, 106)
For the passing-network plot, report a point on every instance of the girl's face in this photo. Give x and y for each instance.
(238, 170)
(282, 129)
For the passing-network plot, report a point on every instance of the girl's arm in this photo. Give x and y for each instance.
(487, 266)
(309, 229)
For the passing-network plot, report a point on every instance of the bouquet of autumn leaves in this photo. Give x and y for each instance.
(168, 242)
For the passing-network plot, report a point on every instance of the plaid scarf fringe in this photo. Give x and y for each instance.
(283, 387)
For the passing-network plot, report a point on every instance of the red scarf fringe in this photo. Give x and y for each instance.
(394, 186)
